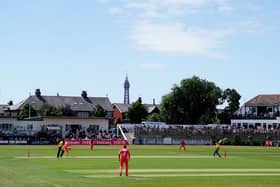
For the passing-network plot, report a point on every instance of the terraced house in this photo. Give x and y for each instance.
(74, 116)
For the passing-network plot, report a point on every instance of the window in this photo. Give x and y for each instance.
(29, 127)
(5, 126)
(83, 114)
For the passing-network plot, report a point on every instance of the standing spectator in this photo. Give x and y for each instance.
(124, 157)
(140, 140)
(133, 140)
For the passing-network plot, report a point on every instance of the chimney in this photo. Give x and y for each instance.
(154, 101)
(38, 92)
(140, 100)
(84, 94)
(10, 103)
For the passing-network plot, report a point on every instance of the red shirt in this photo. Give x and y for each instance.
(66, 145)
(124, 154)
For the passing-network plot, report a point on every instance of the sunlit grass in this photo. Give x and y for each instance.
(147, 166)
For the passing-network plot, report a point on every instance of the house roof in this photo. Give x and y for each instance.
(264, 100)
(151, 107)
(124, 107)
(2, 108)
(75, 103)
(17, 106)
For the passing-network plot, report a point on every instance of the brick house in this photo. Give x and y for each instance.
(120, 111)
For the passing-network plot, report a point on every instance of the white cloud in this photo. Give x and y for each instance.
(186, 2)
(115, 10)
(224, 6)
(250, 25)
(136, 5)
(159, 8)
(102, 1)
(147, 3)
(178, 38)
(150, 9)
(154, 28)
(152, 66)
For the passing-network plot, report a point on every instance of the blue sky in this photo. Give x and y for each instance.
(65, 46)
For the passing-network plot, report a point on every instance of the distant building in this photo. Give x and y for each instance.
(262, 111)
(2, 109)
(81, 117)
(121, 110)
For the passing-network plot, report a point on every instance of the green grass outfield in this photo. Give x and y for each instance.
(157, 166)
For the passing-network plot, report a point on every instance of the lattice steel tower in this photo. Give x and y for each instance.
(126, 91)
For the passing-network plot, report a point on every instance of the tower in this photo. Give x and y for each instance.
(126, 91)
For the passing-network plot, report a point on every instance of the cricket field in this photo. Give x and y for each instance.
(150, 165)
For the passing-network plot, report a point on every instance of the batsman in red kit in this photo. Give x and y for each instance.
(124, 157)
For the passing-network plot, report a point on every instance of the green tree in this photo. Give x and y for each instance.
(27, 111)
(153, 117)
(67, 111)
(48, 110)
(193, 102)
(232, 97)
(98, 111)
(171, 112)
(137, 112)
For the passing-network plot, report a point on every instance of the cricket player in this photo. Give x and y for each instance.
(67, 148)
(91, 144)
(217, 148)
(59, 147)
(124, 157)
(182, 144)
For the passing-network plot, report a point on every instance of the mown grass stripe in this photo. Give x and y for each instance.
(176, 170)
(188, 175)
(110, 157)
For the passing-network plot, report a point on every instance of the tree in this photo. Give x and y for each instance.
(153, 117)
(99, 111)
(27, 111)
(48, 110)
(137, 112)
(232, 97)
(193, 102)
(67, 111)
(171, 112)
